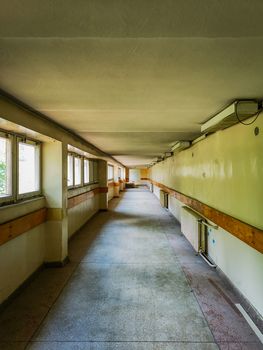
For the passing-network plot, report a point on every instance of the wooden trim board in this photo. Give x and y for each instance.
(243, 231)
(16, 227)
(76, 200)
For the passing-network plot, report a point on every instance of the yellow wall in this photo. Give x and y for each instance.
(144, 173)
(224, 171)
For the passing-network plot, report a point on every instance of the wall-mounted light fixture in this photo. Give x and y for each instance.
(236, 112)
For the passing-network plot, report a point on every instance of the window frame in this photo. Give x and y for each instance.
(15, 197)
(119, 173)
(110, 179)
(11, 197)
(31, 194)
(81, 171)
(93, 171)
(88, 160)
(70, 155)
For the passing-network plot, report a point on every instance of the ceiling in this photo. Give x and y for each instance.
(131, 77)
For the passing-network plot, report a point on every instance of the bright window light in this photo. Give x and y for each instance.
(5, 167)
(70, 170)
(110, 172)
(77, 171)
(28, 168)
(86, 171)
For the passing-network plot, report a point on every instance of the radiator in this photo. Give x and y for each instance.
(190, 227)
(164, 199)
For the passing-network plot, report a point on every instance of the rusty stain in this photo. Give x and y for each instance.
(227, 299)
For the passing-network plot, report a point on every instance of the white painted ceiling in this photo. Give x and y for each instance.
(131, 76)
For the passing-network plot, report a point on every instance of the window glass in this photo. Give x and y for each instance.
(119, 173)
(70, 170)
(77, 171)
(28, 168)
(86, 171)
(5, 167)
(110, 172)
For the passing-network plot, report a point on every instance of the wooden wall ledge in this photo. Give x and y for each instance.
(76, 200)
(16, 227)
(243, 231)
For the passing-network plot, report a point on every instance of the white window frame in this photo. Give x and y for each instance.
(77, 156)
(119, 173)
(70, 155)
(87, 160)
(38, 145)
(10, 198)
(93, 170)
(15, 197)
(110, 178)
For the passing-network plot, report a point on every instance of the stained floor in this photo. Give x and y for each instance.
(133, 283)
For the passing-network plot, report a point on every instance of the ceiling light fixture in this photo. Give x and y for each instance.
(236, 112)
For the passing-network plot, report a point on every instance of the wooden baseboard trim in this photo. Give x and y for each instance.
(247, 233)
(80, 198)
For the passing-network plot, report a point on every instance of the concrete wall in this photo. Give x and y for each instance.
(21, 256)
(81, 213)
(224, 171)
(47, 242)
(110, 190)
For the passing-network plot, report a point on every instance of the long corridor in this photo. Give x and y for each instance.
(133, 282)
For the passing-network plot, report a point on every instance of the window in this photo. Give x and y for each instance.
(86, 171)
(19, 168)
(5, 166)
(70, 170)
(81, 171)
(110, 172)
(119, 173)
(28, 167)
(77, 171)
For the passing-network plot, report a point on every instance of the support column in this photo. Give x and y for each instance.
(103, 183)
(54, 179)
(116, 183)
(127, 174)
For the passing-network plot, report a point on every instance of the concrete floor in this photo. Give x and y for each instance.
(133, 283)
